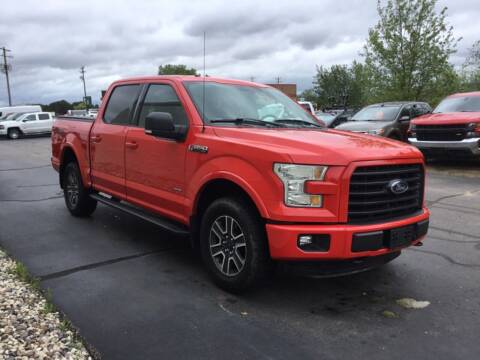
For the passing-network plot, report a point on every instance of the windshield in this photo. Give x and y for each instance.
(230, 102)
(13, 116)
(377, 113)
(459, 104)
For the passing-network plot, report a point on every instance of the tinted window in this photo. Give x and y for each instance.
(120, 105)
(459, 104)
(31, 117)
(162, 98)
(43, 117)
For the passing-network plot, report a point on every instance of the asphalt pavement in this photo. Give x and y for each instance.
(137, 292)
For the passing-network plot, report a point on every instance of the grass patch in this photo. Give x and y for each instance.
(20, 271)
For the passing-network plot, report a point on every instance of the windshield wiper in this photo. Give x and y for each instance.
(298, 121)
(250, 121)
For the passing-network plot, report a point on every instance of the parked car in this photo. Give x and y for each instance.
(453, 127)
(195, 157)
(390, 119)
(9, 110)
(26, 124)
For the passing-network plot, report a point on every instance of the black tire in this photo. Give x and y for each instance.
(14, 134)
(77, 198)
(218, 233)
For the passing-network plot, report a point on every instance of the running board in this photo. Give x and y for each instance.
(142, 214)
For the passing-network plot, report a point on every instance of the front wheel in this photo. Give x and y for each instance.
(13, 134)
(234, 245)
(77, 198)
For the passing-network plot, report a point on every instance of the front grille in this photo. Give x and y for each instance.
(441, 132)
(371, 201)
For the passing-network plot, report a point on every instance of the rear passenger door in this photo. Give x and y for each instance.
(45, 122)
(107, 140)
(154, 165)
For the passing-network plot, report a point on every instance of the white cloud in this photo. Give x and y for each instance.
(115, 39)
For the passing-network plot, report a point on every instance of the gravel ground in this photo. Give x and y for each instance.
(27, 329)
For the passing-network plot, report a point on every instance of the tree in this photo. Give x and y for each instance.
(176, 69)
(407, 52)
(341, 85)
(58, 107)
(80, 105)
(470, 74)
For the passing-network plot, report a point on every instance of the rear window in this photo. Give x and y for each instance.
(459, 104)
(120, 105)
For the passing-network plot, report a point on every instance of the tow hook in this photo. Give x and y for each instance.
(419, 243)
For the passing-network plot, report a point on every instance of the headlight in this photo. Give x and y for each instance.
(294, 178)
(2, 127)
(375, 132)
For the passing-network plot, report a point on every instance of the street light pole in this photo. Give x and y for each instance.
(5, 69)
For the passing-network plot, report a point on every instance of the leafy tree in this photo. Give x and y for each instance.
(470, 74)
(341, 85)
(407, 52)
(79, 105)
(58, 107)
(176, 69)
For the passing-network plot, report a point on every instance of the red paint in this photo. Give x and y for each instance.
(165, 177)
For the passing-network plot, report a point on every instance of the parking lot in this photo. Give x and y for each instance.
(135, 291)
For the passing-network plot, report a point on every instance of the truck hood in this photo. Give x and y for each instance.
(447, 118)
(9, 122)
(328, 147)
(362, 125)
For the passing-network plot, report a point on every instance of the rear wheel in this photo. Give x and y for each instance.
(77, 198)
(13, 134)
(234, 245)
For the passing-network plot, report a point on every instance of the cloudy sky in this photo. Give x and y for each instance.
(262, 39)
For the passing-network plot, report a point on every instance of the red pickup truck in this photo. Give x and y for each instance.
(248, 174)
(452, 129)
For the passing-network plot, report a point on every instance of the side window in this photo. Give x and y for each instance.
(31, 117)
(406, 111)
(43, 117)
(162, 98)
(120, 104)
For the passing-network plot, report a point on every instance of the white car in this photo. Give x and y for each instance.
(26, 124)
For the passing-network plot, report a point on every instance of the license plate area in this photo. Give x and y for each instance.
(401, 237)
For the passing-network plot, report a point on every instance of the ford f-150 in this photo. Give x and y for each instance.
(251, 177)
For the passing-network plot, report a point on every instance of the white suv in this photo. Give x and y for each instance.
(26, 124)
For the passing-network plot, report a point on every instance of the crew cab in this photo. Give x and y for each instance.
(452, 129)
(389, 119)
(246, 173)
(20, 124)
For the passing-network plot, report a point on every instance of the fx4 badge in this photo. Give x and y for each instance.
(198, 148)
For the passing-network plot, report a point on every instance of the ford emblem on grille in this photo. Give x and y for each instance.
(397, 186)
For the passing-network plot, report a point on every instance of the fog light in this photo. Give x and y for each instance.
(316, 242)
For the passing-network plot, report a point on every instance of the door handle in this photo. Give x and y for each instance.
(131, 145)
(95, 138)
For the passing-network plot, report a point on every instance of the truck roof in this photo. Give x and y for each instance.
(182, 78)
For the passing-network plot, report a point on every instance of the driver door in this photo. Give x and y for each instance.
(29, 124)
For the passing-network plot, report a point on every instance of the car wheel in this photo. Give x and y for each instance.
(77, 198)
(233, 245)
(13, 134)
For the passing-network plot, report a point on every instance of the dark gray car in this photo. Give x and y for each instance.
(390, 119)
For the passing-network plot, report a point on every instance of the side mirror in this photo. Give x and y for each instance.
(404, 118)
(161, 124)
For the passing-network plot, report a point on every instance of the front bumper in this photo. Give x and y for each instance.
(283, 239)
(469, 146)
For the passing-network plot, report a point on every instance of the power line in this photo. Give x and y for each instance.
(5, 68)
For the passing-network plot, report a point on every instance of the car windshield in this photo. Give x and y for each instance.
(377, 113)
(459, 104)
(15, 116)
(236, 102)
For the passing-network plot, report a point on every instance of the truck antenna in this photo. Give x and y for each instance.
(203, 85)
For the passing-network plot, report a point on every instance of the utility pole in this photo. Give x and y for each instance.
(5, 69)
(82, 77)
(278, 79)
